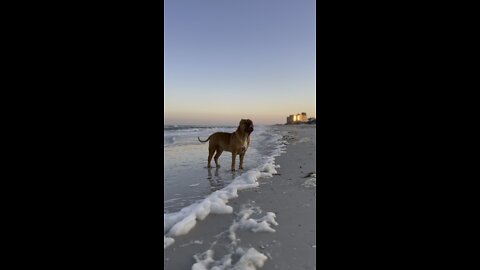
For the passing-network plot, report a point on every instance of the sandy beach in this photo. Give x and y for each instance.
(272, 225)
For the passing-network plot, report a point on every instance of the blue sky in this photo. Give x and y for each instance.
(232, 59)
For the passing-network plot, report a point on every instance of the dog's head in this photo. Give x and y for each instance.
(246, 125)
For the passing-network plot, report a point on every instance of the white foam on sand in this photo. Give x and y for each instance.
(249, 260)
(262, 224)
(167, 241)
(312, 182)
(181, 222)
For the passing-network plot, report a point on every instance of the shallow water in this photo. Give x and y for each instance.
(188, 180)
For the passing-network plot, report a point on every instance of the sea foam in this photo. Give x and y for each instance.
(263, 224)
(249, 260)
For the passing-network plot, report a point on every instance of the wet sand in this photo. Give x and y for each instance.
(290, 195)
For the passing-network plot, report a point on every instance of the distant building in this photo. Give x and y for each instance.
(304, 117)
(298, 118)
(290, 119)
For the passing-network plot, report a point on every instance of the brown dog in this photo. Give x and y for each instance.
(237, 143)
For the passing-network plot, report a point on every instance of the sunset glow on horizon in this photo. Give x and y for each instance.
(228, 60)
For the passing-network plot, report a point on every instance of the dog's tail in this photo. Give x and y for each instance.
(205, 140)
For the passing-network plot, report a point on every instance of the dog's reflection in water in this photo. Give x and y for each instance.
(216, 180)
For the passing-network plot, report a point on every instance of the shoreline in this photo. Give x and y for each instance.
(272, 225)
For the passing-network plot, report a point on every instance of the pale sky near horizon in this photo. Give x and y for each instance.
(230, 59)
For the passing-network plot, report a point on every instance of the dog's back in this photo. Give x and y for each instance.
(221, 139)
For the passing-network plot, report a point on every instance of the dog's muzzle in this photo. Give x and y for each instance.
(250, 129)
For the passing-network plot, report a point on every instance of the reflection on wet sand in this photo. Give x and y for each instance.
(216, 182)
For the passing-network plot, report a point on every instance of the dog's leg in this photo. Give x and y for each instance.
(241, 161)
(217, 155)
(234, 155)
(210, 155)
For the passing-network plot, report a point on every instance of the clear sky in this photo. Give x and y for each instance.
(232, 59)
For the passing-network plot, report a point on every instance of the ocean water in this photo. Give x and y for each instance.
(188, 181)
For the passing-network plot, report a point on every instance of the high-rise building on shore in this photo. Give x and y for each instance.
(298, 118)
